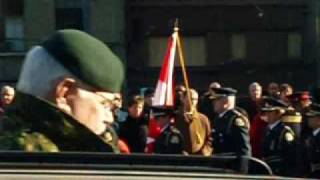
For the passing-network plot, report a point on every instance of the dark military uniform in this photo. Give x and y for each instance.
(231, 130)
(230, 134)
(31, 124)
(170, 141)
(279, 149)
(312, 145)
(279, 144)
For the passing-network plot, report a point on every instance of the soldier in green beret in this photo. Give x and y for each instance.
(64, 97)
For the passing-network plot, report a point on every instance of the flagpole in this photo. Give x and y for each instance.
(182, 63)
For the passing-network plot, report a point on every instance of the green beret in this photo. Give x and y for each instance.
(87, 58)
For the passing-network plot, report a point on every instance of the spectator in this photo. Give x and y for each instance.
(148, 97)
(194, 126)
(285, 91)
(252, 104)
(134, 130)
(179, 91)
(205, 105)
(7, 95)
(273, 90)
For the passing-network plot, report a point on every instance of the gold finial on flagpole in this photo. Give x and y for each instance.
(176, 25)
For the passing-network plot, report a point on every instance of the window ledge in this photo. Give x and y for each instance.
(4, 54)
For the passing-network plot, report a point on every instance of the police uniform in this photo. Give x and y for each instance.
(231, 129)
(33, 124)
(279, 148)
(230, 134)
(170, 140)
(312, 145)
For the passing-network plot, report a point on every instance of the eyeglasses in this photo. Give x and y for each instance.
(106, 102)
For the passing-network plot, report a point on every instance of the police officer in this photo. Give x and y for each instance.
(312, 143)
(231, 128)
(170, 140)
(279, 141)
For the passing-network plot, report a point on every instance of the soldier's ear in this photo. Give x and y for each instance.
(64, 87)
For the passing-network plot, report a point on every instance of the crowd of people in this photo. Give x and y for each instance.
(68, 99)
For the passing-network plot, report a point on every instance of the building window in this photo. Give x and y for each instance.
(194, 51)
(238, 46)
(12, 34)
(294, 45)
(69, 14)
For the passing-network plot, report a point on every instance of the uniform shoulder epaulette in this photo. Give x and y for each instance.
(174, 130)
(288, 134)
(240, 120)
(107, 136)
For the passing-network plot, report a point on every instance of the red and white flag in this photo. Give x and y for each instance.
(164, 93)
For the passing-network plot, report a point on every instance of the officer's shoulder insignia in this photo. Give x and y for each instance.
(108, 136)
(174, 130)
(174, 140)
(239, 122)
(288, 137)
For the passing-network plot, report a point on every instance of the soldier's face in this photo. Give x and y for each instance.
(88, 106)
(92, 109)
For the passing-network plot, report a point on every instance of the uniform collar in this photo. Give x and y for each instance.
(315, 132)
(273, 125)
(223, 113)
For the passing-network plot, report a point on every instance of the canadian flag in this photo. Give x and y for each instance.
(164, 94)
